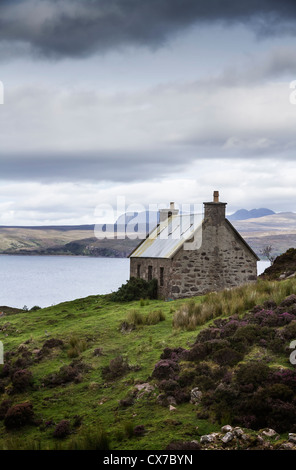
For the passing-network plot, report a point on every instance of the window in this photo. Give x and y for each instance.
(161, 271)
(149, 273)
(138, 270)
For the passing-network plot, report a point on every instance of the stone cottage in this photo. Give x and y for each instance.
(190, 258)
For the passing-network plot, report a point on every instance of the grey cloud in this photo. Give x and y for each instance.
(69, 28)
(116, 166)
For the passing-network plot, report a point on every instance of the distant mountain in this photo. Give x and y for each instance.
(139, 222)
(244, 214)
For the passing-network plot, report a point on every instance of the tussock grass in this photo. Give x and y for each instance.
(230, 301)
(76, 346)
(134, 317)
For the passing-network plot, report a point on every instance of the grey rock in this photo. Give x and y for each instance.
(292, 437)
(207, 438)
(196, 395)
(238, 432)
(227, 437)
(287, 446)
(226, 428)
(269, 432)
(145, 387)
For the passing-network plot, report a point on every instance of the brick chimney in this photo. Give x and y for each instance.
(214, 212)
(166, 213)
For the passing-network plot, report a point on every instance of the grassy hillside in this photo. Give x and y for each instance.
(88, 367)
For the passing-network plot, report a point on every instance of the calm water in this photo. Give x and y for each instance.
(48, 280)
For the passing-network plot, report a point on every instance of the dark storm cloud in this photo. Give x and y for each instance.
(68, 28)
(113, 166)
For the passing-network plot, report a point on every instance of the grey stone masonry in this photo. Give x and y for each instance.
(223, 260)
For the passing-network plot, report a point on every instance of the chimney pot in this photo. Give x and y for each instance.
(216, 196)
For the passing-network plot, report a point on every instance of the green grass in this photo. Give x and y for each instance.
(95, 322)
(84, 325)
(238, 300)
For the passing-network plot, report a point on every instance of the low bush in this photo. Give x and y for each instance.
(117, 368)
(19, 415)
(227, 356)
(70, 373)
(4, 407)
(165, 369)
(22, 380)
(135, 289)
(252, 373)
(139, 430)
(62, 429)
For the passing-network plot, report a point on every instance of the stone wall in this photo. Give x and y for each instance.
(157, 264)
(223, 261)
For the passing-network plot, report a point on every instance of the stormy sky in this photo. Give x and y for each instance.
(153, 101)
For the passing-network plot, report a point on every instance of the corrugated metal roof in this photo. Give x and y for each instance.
(168, 236)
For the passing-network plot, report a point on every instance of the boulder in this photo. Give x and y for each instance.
(226, 428)
(207, 439)
(195, 395)
(238, 432)
(292, 437)
(227, 437)
(269, 432)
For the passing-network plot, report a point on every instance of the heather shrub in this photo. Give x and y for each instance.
(172, 353)
(127, 401)
(254, 373)
(62, 429)
(282, 416)
(117, 368)
(198, 352)
(4, 406)
(53, 343)
(66, 374)
(285, 376)
(289, 331)
(19, 415)
(288, 301)
(227, 356)
(165, 369)
(139, 430)
(248, 334)
(279, 392)
(21, 380)
(277, 346)
(168, 385)
(187, 377)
